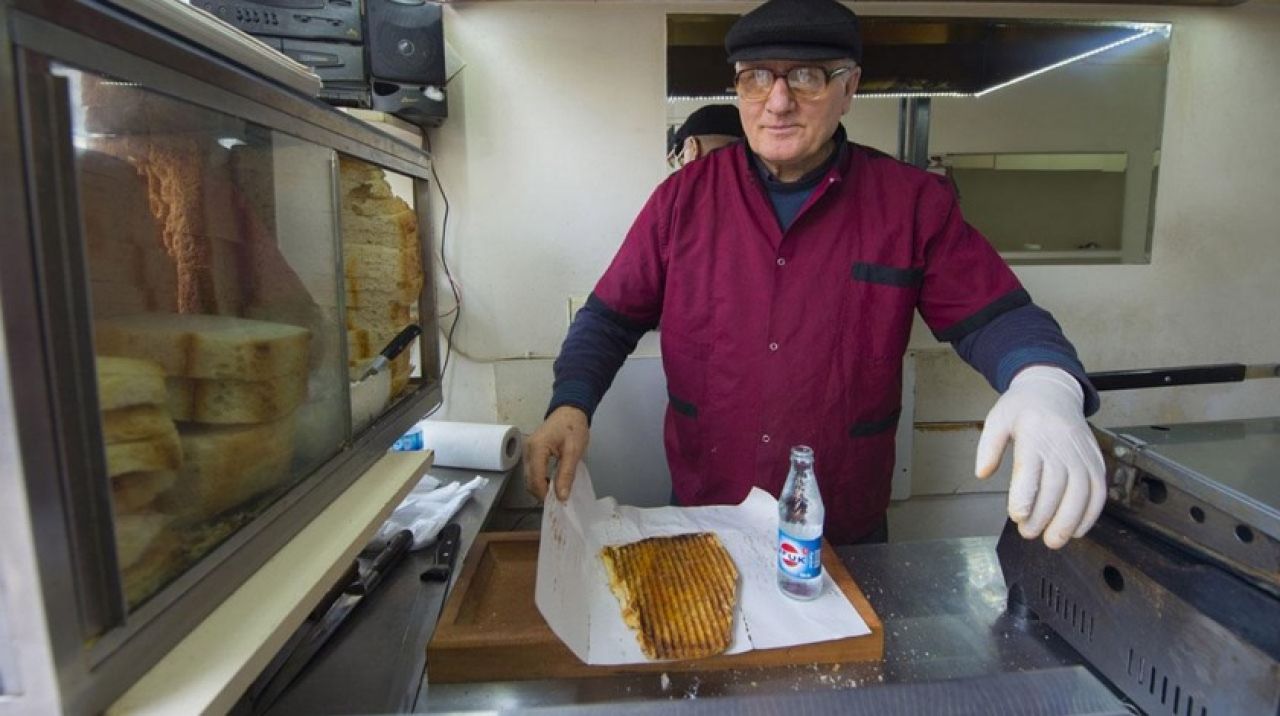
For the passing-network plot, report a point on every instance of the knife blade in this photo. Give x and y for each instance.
(260, 684)
(353, 592)
(392, 349)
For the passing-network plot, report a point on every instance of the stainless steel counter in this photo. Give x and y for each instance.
(942, 604)
(374, 663)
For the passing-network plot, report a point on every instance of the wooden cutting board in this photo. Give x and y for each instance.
(491, 630)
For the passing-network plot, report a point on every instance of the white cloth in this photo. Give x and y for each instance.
(1059, 479)
(427, 508)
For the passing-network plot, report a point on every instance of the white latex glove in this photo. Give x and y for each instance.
(1059, 479)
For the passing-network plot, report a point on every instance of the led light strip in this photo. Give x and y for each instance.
(703, 98)
(1069, 60)
(910, 95)
(1144, 31)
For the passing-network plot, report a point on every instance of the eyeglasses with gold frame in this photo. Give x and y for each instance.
(803, 81)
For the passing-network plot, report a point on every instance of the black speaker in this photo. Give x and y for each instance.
(406, 41)
(423, 105)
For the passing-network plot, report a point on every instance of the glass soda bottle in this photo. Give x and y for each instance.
(800, 515)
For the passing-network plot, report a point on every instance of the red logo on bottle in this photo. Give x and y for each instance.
(792, 556)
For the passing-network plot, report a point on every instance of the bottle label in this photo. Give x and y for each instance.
(799, 558)
(409, 442)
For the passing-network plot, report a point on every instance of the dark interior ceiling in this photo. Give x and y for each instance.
(903, 55)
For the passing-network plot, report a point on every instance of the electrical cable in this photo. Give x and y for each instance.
(450, 347)
(444, 262)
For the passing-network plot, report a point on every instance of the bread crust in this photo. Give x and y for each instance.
(207, 346)
(160, 452)
(136, 422)
(136, 491)
(678, 594)
(124, 382)
(229, 402)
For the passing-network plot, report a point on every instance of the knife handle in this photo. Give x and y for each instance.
(386, 559)
(401, 341)
(447, 549)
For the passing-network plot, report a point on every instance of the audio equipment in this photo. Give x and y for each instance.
(405, 41)
(386, 55)
(423, 105)
(308, 19)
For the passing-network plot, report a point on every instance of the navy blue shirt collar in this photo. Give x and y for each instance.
(810, 179)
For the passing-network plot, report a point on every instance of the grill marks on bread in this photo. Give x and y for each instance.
(677, 593)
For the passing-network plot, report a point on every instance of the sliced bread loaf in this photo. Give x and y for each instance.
(359, 346)
(161, 452)
(226, 466)
(398, 230)
(382, 267)
(136, 422)
(368, 291)
(394, 316)
(128, 381)
(400, 369)
(235, 401)
(354, 173)
(207, 346)
(382, 262)
(379, 337)
(135, 533)
(158, 564)
(134, 491)
(377, 202)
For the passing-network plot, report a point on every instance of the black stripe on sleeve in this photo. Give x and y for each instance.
(684, 408)
(862, 430)
(595, 304)
(1014, 299)
(887, 275)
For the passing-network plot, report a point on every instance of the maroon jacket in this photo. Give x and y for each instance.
(772, 339)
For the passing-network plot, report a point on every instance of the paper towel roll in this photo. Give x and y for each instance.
(477, 446)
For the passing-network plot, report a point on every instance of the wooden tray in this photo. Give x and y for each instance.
(490, 629)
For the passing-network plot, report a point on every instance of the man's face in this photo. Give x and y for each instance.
(789, 132)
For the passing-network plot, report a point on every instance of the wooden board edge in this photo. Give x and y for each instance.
(844, 579)
(447, 633)
(470, 564)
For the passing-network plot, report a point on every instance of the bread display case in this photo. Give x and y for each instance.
(199, 267)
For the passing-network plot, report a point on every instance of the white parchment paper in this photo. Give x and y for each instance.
(573, 593)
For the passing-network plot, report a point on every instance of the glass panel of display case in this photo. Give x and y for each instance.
(212, 260)
(383, 279)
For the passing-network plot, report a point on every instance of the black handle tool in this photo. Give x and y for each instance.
(1181, 375)
(393, 349)
(446, 554)
(357, 585)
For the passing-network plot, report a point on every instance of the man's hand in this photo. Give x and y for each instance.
(1059, 479)
(563, 435)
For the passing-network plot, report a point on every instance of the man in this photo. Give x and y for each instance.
(784, 272)
(707, 129)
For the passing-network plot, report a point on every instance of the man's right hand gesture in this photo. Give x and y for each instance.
(563, 435)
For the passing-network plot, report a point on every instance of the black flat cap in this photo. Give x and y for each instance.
(795, 30)
(711, 119)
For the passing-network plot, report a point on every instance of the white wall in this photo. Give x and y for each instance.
(556, 136)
